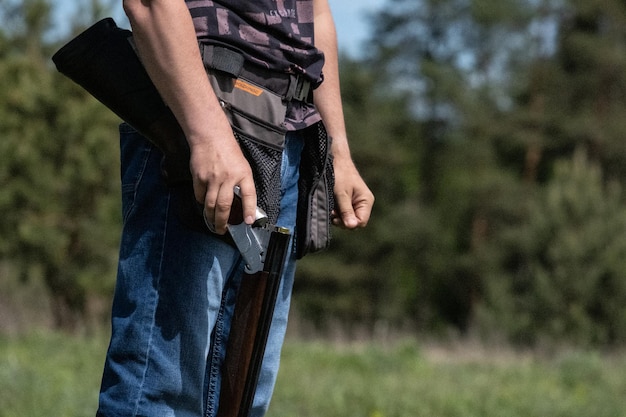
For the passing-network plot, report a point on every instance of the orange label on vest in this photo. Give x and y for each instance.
(248, 88)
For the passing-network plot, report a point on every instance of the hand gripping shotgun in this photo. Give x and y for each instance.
(104, 62)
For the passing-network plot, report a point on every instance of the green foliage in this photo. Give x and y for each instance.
(58, 176)
(490, 132)
(555, 272)
(567, 262)
(502, 94)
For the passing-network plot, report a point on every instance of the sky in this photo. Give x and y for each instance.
(351, 22)
(349, 18)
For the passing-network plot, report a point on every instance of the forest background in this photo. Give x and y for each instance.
(491, 132)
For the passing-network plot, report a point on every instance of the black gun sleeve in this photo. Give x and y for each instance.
(104, 62)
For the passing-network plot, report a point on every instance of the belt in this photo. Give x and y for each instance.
(288, 86)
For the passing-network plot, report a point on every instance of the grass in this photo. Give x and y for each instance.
(48, 374)
(55, 375)
(405, 381)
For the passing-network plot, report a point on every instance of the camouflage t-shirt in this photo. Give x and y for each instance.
(276, 34)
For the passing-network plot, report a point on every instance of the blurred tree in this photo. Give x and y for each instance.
(561, 256)
(564, 267)
(58, 172)
(500, 91)
(450, 60)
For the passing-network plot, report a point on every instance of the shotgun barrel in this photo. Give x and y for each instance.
(250, 328)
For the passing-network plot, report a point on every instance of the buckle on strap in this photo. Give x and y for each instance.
(298, 89)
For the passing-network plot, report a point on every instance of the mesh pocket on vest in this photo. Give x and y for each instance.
(265, 162)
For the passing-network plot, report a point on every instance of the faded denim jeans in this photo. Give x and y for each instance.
(175, 295)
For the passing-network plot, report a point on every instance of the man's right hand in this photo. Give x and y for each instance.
(216, 170)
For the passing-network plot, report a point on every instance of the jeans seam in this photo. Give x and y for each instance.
(214, 371)
(218, 342)
(137, 181)
(140, 397)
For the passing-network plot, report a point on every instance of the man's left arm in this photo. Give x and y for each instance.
(353, 198)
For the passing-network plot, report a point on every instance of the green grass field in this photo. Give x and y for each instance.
(55, 375)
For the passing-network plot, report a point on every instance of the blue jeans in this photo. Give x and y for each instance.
(175, 295)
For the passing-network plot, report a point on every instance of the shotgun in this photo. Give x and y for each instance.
(264, 248)
(104, 62)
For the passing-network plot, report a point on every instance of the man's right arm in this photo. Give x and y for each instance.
(165, 38)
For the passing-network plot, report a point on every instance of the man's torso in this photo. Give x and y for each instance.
(274, 34)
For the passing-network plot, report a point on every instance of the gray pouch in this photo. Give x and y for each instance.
(316, 192)
(256, 116)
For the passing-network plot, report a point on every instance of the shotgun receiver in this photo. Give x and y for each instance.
(104, 62)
